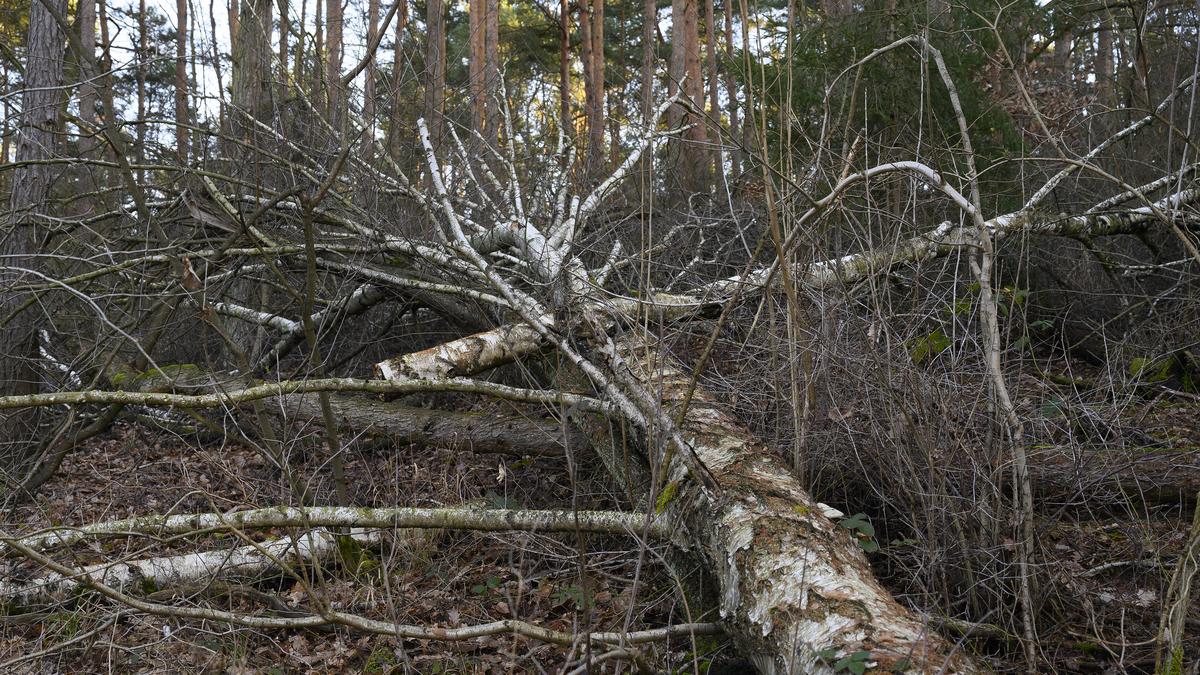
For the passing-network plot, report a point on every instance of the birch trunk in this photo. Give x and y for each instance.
(796, 593)
(153, 573)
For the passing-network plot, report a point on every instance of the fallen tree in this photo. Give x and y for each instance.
(794, 590)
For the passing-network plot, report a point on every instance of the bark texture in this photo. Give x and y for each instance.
(689, 157)
(795, 591)
(467, 431)
(794, 587)
(153, 573)
(435, 64)
(20, 231)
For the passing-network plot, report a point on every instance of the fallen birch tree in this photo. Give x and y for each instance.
(794, 590)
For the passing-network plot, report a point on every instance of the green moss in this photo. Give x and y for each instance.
(355, 558)
(170, 372)
(1175, 665)
(380, 660)
(666, 496)
(158, 378)
(802, 509)
(148, 585)
(1149, 369)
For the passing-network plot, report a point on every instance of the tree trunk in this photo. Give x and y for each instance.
(477, 39)
(37, 131)
(251, 87)
(1104, 63)
(564, 69)
(143, 52)
(235, 17)
(596, 107)
(491, 72)
(483, 69)
(795, 591)
(372, 69)
(318, 82)
(464, 431)
(393, 134)
(1062, 55)
(285, 29)
(335, 93)
(585, 56)
(685, 72)
(181, 81)
(298, 58)
(711, 44)
(4, 133)
(87, 89)
(649, 33)
(735, 159)
(435, 75)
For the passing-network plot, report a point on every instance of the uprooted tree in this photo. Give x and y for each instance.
(274, 259)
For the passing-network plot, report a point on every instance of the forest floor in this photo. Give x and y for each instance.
(1104, 570)
(435, 578)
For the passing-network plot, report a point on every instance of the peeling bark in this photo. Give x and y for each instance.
(454, 518)
(794, 586)
(153, 573)
(471, 354)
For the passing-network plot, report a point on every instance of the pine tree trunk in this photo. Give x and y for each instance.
(235, 17)
(435, 64)
(483, 69)
(735, 159)
(1062, 55)
(393, 135)
(335, 93)
(711, 44)
(181, 82)
(37, 130)
(368, 114)
(143, 52)
(477, 39)
(585, 56)
(649, 21)
(596, 107)
(252, 91)
(298, 58)
(689, 161)
(319, 50)
(491, 72)
(284, 30)
(564, 68)
(4, 133)
(87, 89)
